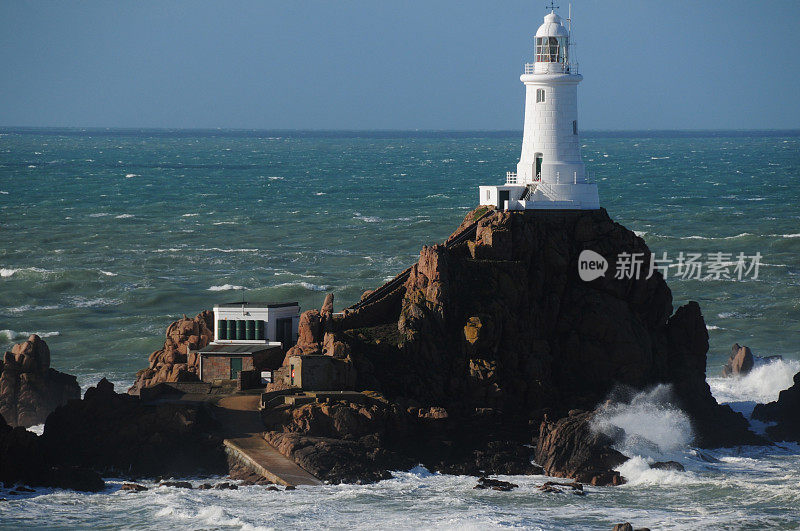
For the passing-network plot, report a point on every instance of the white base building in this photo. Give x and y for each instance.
(550, 173)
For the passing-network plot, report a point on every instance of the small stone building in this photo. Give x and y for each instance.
(319, 373)
(225, 362)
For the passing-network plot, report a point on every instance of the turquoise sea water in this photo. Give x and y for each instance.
(108, 236)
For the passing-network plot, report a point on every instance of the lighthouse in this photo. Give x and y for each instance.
(550, 173)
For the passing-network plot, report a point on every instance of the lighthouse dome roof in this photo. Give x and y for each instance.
(553, 27)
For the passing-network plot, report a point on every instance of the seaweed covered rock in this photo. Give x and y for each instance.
(118, 433)
(174, 362)
(29, 388)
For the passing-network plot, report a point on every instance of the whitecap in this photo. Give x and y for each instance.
(13, 335)
(226, 287)
(129, 175)
(190, 215)
(108, 273)
(761, 385)
(124, 216)
(307, 285)
(7, 272)
(224, 223)
(275, 178)
(3, 192)
(99, 215)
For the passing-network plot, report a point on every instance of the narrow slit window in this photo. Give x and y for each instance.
(539, 95)
(574, 127)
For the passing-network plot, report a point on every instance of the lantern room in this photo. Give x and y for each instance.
(552, 46)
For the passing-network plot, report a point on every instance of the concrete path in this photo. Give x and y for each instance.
(243, 430)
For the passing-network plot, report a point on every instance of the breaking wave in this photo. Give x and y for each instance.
(761, 385)
(226, 287)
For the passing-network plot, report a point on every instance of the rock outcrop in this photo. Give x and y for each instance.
(117, 433)
(784, 412)
(569, 448)
(495, 328)
(174, 362)
(29, 388)
(23, 461)
(740, 362)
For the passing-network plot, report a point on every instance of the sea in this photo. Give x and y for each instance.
(107, 236)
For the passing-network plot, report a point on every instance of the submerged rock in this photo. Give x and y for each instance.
(495, 484)
(29, 388)
(668, 465)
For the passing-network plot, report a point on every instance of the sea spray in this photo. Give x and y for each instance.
(647, 423)
(761, 385)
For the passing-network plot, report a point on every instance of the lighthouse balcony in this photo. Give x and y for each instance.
(550, 68)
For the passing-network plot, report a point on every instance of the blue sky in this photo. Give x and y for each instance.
(372, 64)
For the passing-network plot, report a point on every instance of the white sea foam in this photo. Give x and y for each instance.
(124, 216)
(275, 178)
(3, 192)
(12, 335)
(190, 215)
(99, 215)
(108, 273)
(129, 175)
(647, 423)
(226, 287)
(307, 285)
(5, 273)
(38, 429)
(761, 385)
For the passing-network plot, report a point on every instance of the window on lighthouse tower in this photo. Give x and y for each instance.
(551, 49)
(539, 95)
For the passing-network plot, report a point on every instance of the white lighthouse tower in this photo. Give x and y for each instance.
(550, 173)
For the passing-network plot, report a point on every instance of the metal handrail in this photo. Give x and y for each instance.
(566, 68)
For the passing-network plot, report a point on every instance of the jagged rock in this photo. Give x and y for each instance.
(176, 484)
(668, 465)
(570, 448)
(556, 487)
(784, 412)
(29, 388)
(118, 434)
(173, 363)
(24, 461)
(740, 362)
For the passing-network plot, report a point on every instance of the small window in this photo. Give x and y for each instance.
(488, 194)
(574, 127)
(539, 95)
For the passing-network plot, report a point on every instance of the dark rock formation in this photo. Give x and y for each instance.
(174, 363)
(740, 362)
(117, 433)
(628, 527)
(29, 388)
(23, 461)
(569, 448)
(495, 329)
(785, 412)
(495, 484)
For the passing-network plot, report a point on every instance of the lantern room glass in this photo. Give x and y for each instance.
(552, 49)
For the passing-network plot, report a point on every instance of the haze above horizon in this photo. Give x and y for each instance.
(358, 65)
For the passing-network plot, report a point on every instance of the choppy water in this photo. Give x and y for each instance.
(106, 237)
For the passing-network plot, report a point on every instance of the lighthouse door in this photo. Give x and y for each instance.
(502, 197)
(538, 166)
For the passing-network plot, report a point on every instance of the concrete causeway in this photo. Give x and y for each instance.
(244, 441)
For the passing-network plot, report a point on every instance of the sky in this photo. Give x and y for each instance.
(392, 65)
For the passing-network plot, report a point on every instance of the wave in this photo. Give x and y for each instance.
(5, 273)
(226, 287)
(3, 192)
(129, 175)
(124, 216)
(646, 423)
(190, 215)
(99, 302)
(99, 215)
(761, 385)
(366, 219)
(108, 273)
(307, 285)
(12, 335)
